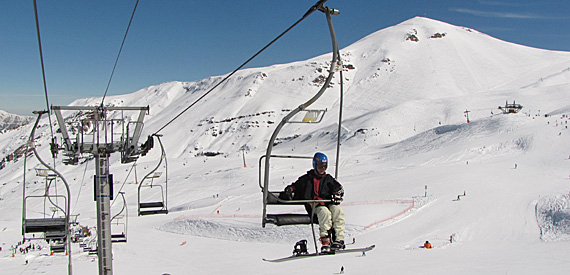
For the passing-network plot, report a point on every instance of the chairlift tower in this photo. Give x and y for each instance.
(102, 131)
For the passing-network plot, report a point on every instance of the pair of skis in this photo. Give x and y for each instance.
(332, 252)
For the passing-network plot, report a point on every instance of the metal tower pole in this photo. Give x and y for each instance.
(102, 197)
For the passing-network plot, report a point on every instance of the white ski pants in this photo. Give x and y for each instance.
(331, 216)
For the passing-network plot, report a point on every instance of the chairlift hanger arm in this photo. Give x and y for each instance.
(335, 59)
(162, 157)
(124, 206)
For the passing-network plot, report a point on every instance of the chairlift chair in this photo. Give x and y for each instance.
(51, 226)
(310, 116)
(55, 227)
(273, 199)
(158, 204)
(57, 247)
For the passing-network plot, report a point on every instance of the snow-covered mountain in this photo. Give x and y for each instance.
(10, 121)
(391, 76)
(412, 168)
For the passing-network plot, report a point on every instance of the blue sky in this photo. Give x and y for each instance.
(186, 40)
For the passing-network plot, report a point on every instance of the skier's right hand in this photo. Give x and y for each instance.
(289, 192)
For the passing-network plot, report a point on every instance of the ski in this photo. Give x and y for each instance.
(302, 256)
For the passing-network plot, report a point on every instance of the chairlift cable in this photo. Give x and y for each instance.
(43, 68)
(81, 186)
(311, 10)
(119, 54)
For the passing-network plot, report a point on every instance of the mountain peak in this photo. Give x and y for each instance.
(10, 121)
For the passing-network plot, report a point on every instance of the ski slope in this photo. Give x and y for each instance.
(412, 168)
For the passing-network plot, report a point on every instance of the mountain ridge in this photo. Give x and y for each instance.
(10, 121)
(389, 76)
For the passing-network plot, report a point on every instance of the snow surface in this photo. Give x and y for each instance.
(412, 168)
(10, 121)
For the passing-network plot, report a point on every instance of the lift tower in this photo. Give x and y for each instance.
(101, 131)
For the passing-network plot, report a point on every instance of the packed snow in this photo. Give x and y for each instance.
(491, 195)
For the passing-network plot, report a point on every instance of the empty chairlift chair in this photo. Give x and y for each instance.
(153, 196)
(51, 223)
(119, 223)
(46, 216)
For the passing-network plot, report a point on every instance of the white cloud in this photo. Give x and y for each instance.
(497, 14)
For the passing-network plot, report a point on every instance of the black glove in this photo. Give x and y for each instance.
(337, 196)
(288, 193)
(337, 199)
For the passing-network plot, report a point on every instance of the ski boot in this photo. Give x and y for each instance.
(300, 248)
(325, 245)
(338, 245)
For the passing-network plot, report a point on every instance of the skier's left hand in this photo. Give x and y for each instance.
(337, 198)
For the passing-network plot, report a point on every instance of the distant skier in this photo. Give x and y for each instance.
(316, 184)
(427, 245)
(342, 269)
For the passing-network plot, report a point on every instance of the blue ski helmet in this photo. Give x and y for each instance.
(319, 158)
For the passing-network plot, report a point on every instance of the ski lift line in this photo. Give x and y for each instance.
(43, 67)
(315, 7)
(119, 54)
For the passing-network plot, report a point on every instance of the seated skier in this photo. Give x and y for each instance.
(316, 184)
